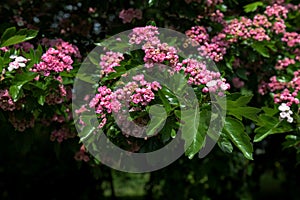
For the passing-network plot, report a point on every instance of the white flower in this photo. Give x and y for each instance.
(20, 59)
(290, 119)
(224, 86)
(13, 56)
(13, 65)
(211, 83)
(286, 112)
(284, 115)
(283, 107)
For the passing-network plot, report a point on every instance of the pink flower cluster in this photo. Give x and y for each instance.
(198, 33)
(243, 29)
(105, 101)
(62, 46)
(237, 83)
(286, 92)
(57, 58)
(160, 53)
(146, 35)
(138, 91)
(128, 15)
(279, 26)
(276, 11)
(213, 2)
(144, 93)
(291, 38)
(4, 49)
(6, 101)
(261, 20)
(216, 49)
(61, 134)
(58, 95)
(81, 155)
(218, 17)
(198, 74)
(109, 61)
(53, 61)
(213, 48)
(282, 64)
(20, 124)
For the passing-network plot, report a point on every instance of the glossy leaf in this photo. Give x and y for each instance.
(235, 131)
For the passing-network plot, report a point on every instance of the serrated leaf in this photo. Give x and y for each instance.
(269, 125)
(247, 112)
(235, 131)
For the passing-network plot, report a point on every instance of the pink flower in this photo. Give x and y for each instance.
(109, 61)
(276, 11)
(6, 101)
(237, 83)
(282, 64)
(128, 15)
(146, 35)
(291, 38)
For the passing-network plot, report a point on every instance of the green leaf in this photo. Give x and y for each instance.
(237, 107)
(194, 139)
(41, 99)
(151, 2)
(30, 34)
(242, 73)
(225, 144)
(94, 58)
(261, 49)
(18, 82)
(252, 6)
(158, 118)
(164, 101)
(11, 37)
(13, 40)
(247, 112)
(235, 131)
(269, 125)
(8, 33)
(151, 23)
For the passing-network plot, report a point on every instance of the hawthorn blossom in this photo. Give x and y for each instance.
(276, 11)
(291, 38)
(237, 83)
(109, 61)
(282, 64)
(146, 35)
(128, 15)
(285, 112)
(18, 61)
(20, 124)
(6, 101)
(53, 61)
